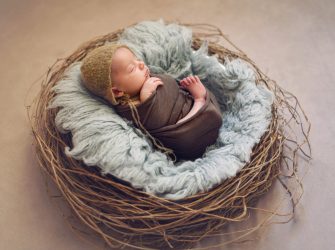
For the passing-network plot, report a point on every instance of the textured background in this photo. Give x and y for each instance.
(292, 41)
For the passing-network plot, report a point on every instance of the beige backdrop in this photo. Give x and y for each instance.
(292, 41)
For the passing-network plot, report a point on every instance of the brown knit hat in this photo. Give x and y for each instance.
(96, 69)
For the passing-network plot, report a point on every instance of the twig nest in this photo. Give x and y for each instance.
(124, 216)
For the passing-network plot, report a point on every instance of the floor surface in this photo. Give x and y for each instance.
(292, 41)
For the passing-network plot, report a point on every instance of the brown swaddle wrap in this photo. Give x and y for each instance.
(168, 104)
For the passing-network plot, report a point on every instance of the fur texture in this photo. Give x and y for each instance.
(102, 138)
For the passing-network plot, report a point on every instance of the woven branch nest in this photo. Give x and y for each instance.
(124, 216)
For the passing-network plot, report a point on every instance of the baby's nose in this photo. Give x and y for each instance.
(141, 64)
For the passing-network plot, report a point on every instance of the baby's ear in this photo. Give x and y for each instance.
(116, 92)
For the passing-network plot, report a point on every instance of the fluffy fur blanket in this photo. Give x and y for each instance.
(102, 138)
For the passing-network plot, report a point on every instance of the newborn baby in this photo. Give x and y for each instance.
(183, 117)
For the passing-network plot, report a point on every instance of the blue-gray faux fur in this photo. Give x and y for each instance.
(102, 138)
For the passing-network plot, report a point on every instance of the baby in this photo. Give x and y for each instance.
(184, 118)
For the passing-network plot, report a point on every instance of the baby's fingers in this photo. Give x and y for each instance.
(183, 87)
(189, 80)
(194, 79)
(184, 82)
(156, 80)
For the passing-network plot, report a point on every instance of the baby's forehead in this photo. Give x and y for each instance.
(122, 57)
(123, 53)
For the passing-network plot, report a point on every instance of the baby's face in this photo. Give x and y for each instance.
(128, 72)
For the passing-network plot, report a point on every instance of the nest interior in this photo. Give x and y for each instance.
(124, 216)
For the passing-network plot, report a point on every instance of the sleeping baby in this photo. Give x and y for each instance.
(182, 118)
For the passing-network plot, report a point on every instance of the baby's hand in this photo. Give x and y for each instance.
(149, 86)
(194, 86)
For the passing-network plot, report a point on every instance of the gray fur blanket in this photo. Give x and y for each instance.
(102, 138)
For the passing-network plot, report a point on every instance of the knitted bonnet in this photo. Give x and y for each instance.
(96, 69)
